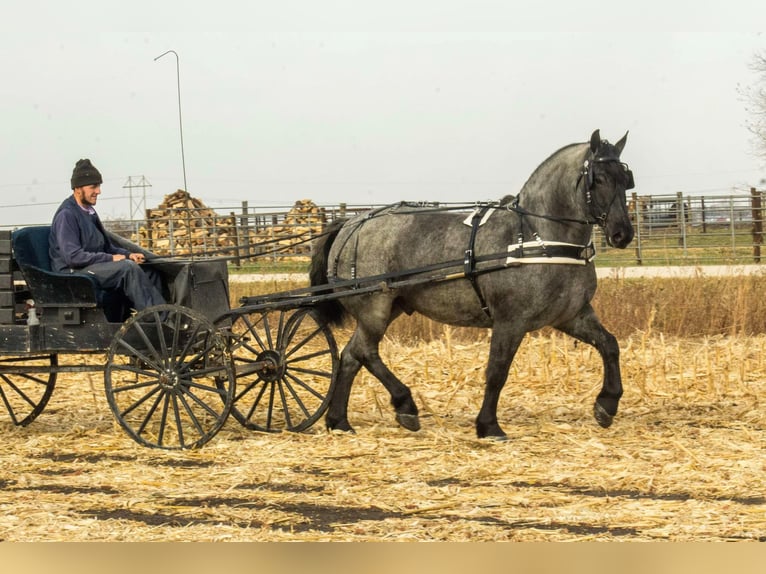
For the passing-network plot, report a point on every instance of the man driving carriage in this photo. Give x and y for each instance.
(78, 243)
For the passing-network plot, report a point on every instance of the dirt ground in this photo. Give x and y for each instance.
(684, 460)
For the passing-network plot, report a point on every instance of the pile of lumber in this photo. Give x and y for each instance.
(290, 239)
(184, 225)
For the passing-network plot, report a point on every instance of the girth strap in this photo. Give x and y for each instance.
(469, 258)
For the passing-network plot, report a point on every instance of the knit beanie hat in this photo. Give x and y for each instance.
(85, 174)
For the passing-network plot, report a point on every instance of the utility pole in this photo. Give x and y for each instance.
(137, 205)
(180, 120)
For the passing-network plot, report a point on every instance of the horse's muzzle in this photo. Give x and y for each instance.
(621, 237)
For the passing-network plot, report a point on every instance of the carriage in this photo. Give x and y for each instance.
(174, 373)
(170, 370)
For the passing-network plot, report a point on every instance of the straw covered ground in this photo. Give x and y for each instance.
(684, 459)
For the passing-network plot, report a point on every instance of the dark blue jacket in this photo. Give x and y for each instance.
(78, 239)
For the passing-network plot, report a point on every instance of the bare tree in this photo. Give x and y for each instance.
(755, 104)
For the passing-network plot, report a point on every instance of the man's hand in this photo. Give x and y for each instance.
(137, 257)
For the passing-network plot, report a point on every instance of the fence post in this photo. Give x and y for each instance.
(149, 245)
(638, 213)
(732, 230)
(189, 232)
(755, 199)
(681, 220)
(240, 228)
(171, 235)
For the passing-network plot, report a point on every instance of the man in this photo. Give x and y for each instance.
(78, 243)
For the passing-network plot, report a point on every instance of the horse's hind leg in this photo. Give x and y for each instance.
(337, 411)
(587, 328)
(401, 396)
(362, 350)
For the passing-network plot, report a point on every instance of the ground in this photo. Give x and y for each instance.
(684, 459)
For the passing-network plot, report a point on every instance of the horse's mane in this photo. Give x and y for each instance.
(550, 157)
(506, 200)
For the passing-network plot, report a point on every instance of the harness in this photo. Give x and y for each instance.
(523, 252)
(469, 260)
(520, 253)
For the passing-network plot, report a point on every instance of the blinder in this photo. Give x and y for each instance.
(589, 175)
(630, 182)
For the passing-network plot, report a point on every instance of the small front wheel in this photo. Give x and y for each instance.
(169, 378)
(285, 364)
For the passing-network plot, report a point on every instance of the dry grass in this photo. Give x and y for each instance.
(684, 459)
(675, 307)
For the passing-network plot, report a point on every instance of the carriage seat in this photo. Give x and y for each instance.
(53, 289)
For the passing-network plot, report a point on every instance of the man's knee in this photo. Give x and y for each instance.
(131, 269)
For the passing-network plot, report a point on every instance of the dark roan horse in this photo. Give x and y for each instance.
(514, 266)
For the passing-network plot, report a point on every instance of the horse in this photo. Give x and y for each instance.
(514, 266)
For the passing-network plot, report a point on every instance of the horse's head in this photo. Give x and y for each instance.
(605, 179)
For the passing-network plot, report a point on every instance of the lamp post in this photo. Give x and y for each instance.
(180, 121)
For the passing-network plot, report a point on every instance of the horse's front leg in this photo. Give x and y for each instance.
(587, 328)
(502, 349)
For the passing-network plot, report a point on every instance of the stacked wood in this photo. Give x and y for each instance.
(290, 239)
(184, 225)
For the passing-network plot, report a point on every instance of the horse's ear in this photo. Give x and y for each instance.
(620, 145)
(595, 141)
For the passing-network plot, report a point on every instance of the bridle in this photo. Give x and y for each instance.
(597, 212)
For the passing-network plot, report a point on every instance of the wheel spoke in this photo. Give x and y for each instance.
(251, 329)
(315, 372)
(17, 391)
(305, 340)
(137, 403)
(294, 394)
(25, 393)
(305, 386)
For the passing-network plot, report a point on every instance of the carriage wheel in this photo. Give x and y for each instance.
(26, 384)
(169, 379)
(285, 364)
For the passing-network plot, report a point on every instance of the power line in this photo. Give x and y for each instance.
(58, 202)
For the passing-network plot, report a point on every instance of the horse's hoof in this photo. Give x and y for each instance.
(603, 418)
(341, 426)
(410, 422)
(496, 438)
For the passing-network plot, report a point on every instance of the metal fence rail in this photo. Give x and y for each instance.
(669, 230)
(691, 230)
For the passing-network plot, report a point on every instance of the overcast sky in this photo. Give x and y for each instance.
(367, 102)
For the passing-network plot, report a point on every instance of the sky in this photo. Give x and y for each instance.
(366, 102)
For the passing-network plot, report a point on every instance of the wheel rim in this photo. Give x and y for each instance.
(26, 385)
(285, 364)
(169, 379)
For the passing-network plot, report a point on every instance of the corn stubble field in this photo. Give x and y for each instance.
(684, 459)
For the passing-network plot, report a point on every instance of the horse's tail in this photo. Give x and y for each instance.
(330, 311)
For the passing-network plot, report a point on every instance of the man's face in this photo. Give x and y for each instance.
(87, 195)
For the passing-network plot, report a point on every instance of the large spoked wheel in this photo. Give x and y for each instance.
(169, 378)
(285, 364)
(26, 384)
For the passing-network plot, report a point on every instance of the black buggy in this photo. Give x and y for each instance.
(172, 373)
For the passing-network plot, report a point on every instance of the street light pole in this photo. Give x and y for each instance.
(180, 121)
